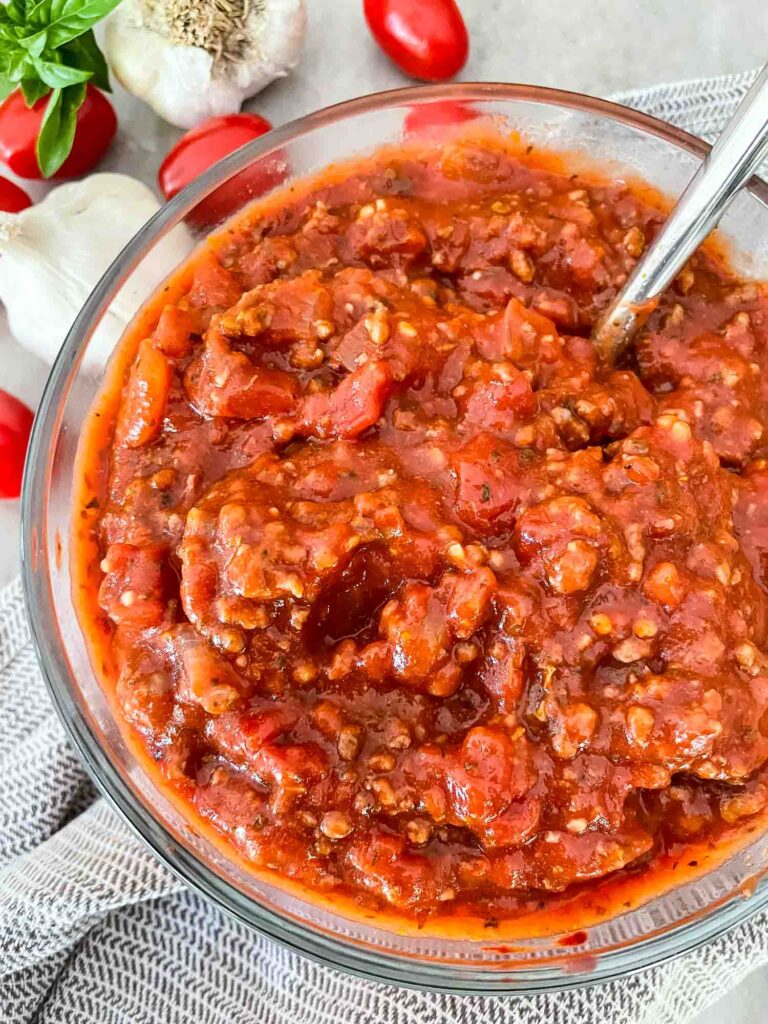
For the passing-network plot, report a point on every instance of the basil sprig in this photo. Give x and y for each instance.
(47, 48)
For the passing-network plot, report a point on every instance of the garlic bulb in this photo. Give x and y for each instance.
(194, 59)
(53, 254)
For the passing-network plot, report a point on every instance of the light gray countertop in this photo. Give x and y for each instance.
(593, 46)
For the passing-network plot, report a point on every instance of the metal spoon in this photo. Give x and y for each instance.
(736, 155)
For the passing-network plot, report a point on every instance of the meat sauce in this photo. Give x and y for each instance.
(403, 593)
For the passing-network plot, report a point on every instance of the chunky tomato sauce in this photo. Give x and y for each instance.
(407, 596)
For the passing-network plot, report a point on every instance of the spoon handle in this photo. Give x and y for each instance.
(735, 156)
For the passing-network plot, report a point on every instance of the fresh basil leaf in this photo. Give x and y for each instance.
(33, 90)
(35, 44)
(59, 76)
(6, 53)
(84, 52)
(68, 19)
(17, 65)
(9, 39)
(6, 87)
(16, 11)
(57, 131)
(47, 152)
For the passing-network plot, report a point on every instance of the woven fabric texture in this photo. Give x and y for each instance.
(94, 931)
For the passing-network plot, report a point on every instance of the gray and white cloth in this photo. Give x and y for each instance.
(94, 931)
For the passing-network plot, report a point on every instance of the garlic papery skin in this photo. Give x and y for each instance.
(53, 254)
(195, 59)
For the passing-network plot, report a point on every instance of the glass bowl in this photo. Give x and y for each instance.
(595, 133)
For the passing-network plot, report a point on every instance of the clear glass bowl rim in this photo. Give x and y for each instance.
(332, 951)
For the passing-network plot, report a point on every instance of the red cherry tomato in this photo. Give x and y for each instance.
(20, 124)
(201, 147)
(431, 118)
(426, 38)
(15, 428)
(12, 198)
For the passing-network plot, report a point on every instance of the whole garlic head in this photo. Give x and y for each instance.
(195, 59)
(53, 254)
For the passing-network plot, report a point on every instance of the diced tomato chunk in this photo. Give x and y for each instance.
(242, 734)
(146, 396)
(229, 800)
(131, 592)
(224, 382)
(492, 770)
(468, 600)
(213, 285)
(207, 678)
(298, 306)
(502, 674)
(290, 764)
(499, 398)
(172, 334)
(515, 335)
(263, 264)
(384, 865)
(266, 393)
(493, 481)
(577, 858)
(146, 700)
(353, 406)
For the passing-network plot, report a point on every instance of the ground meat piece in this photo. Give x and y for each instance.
(715, 385)
(599, 411)
(250, 549)
(685, 723)
(564, 538)
(385, 230)
(476, 243)
(422, 624)
(480, 785)
(298, 309)
(416, 631)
